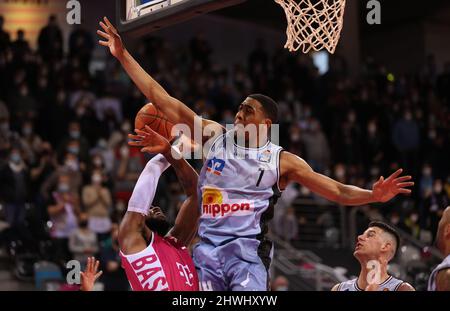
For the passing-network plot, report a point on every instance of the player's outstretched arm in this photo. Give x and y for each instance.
(174, 109)
(295, 169)
(90, 275)
(187, 218)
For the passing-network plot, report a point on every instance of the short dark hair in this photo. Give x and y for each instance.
(269, 105)
(389, 229)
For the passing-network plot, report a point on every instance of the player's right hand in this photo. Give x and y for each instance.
(113, 39)
(150, 141)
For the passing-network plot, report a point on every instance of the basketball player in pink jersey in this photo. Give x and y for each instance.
(153, 259)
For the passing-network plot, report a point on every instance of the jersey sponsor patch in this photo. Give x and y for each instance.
(215, 203)
(215, 166)
(265, 156)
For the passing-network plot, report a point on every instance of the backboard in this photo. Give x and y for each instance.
(138, 17)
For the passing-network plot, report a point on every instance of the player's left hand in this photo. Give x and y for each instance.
(90, 275)
(385, 189)
(151, 141)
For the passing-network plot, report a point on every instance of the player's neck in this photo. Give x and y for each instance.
(447, 251)
(367, 274)
(251, 143)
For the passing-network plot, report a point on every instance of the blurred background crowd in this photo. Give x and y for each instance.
(66, 171)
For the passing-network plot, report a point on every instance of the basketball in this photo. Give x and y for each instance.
(155, 119)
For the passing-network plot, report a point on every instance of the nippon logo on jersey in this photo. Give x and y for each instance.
(215, 203)
(215, 166)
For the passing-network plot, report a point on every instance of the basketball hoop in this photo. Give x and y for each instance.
(313, 24)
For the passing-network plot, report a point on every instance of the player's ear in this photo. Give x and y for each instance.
(386, 247)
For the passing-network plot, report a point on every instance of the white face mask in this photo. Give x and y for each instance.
(124, 151)
(96, 179)
(72, 165)
(98, 162)
(126, 127)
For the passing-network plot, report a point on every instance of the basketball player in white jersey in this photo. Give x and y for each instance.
(440, 277)
(241, 180)
(374, 249)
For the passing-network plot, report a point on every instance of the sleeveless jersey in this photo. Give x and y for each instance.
(238, 188)
(164, 265)
(391, 284)
(442, 266)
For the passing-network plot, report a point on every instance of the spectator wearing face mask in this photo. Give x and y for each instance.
(97, 202)
(113, 278)
(129, 163)
(281, 283)
(14, 188)
(71, 168)
(106, 153)
(406, 139)
(316, 147)
(30, 142)
(435, 205)
(373, 150)
(7, 136)
(75, 142)
(97, 162)
(62, 207)
(83, 241)
(412, 223)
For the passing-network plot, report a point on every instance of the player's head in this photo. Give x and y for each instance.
(443, 233)
(379, 241)
(157, 222)
(257, 109)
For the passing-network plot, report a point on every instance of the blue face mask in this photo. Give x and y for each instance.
(75, 134)
(63, 187)
(27, 131)
(16, 158)
(73, 150)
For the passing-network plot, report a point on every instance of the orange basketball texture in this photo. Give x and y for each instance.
(155, 119)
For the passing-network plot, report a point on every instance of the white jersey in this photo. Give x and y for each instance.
(239, 188)
(442, 266)
(391, 284)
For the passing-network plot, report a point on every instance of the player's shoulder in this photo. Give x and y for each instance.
(443, 279)
(335, 288)
(406, 287)
(174, 242)
(343, 286)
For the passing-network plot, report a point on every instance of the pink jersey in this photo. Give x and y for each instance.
(164, 265)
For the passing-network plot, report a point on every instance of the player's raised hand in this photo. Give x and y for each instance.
(90, 275)
(386, 189)
(112, 38)
(149, 140)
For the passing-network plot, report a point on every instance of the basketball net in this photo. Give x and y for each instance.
(313, 24)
